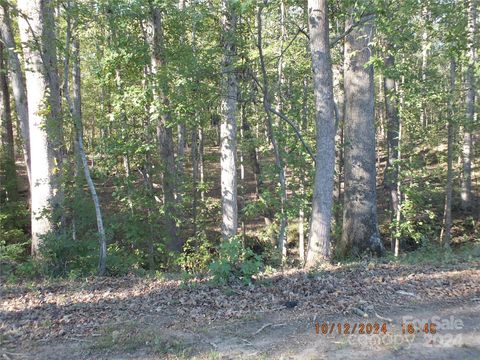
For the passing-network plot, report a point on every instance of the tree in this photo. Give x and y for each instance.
(37, 32)
(75, 107)
(161, 108)
(228, 129)
(319, 237)
(445, 234)
(467, 149)
(8, 172)
(360, 228)
(18, 86)
(391, 170)
(271, 135)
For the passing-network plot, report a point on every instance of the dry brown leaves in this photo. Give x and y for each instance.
(78, 309)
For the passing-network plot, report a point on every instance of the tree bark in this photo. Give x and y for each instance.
(195, 176)
(201, 165)
(164, 132)
(360, 228)
(76, 112)
(467, 148)
(228, 130)
(45, 125)
(445, 234)
(8, 174)
(301, 211)
(271, 135)
(322, 202)
(18, 83)
(181, 138)
(391, 108)
(423, 110)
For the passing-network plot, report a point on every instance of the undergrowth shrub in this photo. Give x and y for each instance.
(62, 256)
(197, 254)
(14, 239)
(235, 261)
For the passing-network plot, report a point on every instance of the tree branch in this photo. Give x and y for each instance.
(296, 130)
(362, 21)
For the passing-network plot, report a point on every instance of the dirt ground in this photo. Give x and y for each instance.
(275, 318)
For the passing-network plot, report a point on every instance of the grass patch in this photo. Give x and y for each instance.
(437, 255)
(130, 337)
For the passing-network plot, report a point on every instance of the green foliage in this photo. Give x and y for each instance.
(121, 261)
(235, 261)
(431, 253)
(14, 221)
(197, 254)
(14, 241)
(265, 247)
(60, 255)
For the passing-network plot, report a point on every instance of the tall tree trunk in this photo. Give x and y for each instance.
(445, 234)
(195, 176)
(467, 149)
(423, 110)
(181, 143)
(201, 164)
(45, 125)
(75, 107)
(228, 130)
(281, 64)
(322, 202)
(271, 135)
(340, 96)
(391, 108)
(49, 53)
(360, 228)
(164, 132)
(8, 174)
(252, 154)
(301, 211)
(18, 85)
(181, 138)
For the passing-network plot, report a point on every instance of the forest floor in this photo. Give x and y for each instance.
(152, 318)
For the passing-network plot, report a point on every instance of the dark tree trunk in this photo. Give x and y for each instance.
(8, 174)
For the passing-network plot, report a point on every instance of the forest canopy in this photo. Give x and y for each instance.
(230, 137)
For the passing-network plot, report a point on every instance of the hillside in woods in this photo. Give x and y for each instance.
(239, 179)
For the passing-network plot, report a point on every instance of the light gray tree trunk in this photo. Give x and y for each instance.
(391, 108)
(77, 115)
(17, 78)
(181, 142)
(195, 176)
(164, 132)
(8, 173)
(301, 211)
(228, 129)
(322, 202)
(467, 148)
(360, 228)
(339, 95)
(45, 125)
(75, 107)
(181, 139)
(201, 150)
(271, 135)
(423, 110)
(447, 214)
